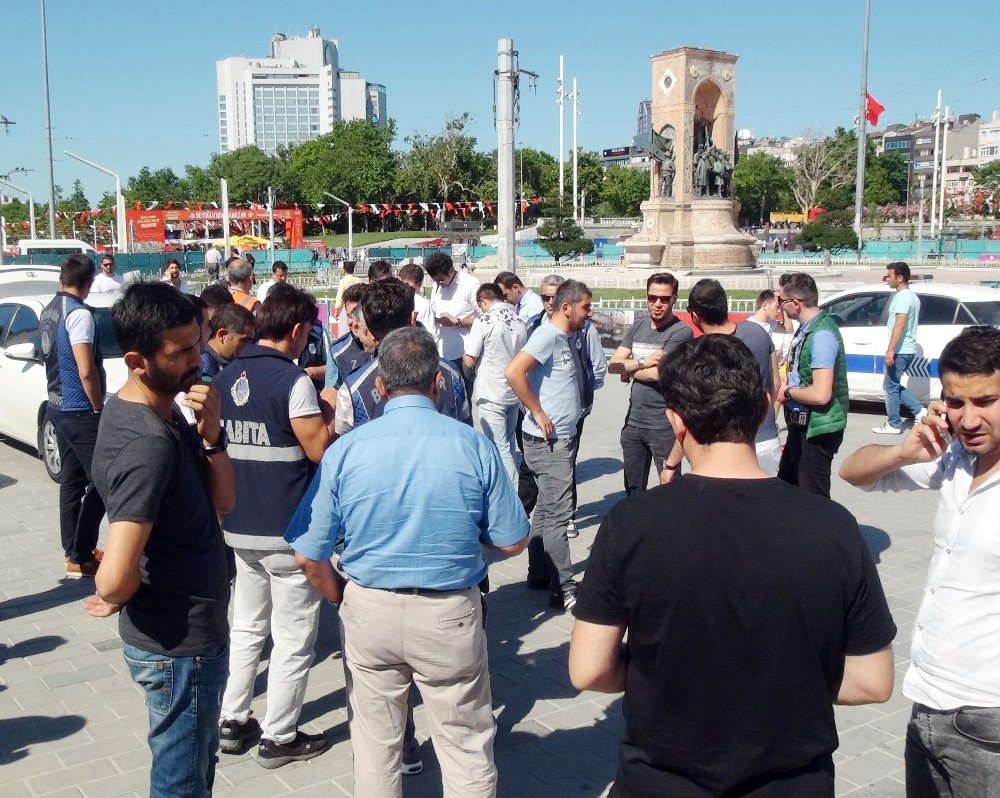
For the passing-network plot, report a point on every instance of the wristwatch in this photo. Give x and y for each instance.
(788, 394)
(641, 362)
(220, 445)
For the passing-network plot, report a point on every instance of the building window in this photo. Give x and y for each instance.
(898, 144)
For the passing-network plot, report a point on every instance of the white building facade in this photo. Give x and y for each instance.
(296, 94)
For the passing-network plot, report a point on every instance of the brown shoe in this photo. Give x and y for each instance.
(75, 570)
(98, 555)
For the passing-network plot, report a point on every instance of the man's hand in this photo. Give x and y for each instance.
(204, 401)
(447, 320)
(653, 360)
(780, 398)
(544, 423)
(890, 358)
(99, 608)
(928, 439)
(667, 475)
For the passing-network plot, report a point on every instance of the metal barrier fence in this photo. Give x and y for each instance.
(735, 305)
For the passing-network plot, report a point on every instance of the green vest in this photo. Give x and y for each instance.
(831, 417)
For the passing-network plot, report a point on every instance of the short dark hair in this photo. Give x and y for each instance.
(708, 299)
(215, 296)
(145, 311)
(663, 278)
(412, 273)
(354, 293)
(437, 264)
(713, 383)
(348, 267)
(171, 261)
(801, 286)
(975, 350)
(901, 269)
(490, 291)
(387, 305)
(379, 270)
(765, 296)
(571, 291)
(77, 271)
(284, 307)
(784, 278)
(109, 257)
(279, 266)
(200, 306)
(232, 317)
(508, 280)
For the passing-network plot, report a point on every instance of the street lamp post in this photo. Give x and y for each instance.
(31, 203)
(119, 199)
(350, 223)
(920, 221)
(48, 127)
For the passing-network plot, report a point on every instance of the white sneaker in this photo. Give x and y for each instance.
(920, 416)
(887, 429)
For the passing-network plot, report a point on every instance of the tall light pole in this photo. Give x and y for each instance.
(920, 221)
(859, 185)
(520, 205)
(224, 196)
(561, 96)
(575, 94)
(119, 199)
(270, 221)
(31, 202)
(506, 91)
(48, 128)
(350, 223)
(944, 169)
(934, 168)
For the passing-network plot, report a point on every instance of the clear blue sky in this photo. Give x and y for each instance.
(134, 84)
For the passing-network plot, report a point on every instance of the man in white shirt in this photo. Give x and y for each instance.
(106, 281)
(412, 275)
(454, 301)
(494, 339)
(953, 739)
(279, 274)
(526, 303)
(172, 275)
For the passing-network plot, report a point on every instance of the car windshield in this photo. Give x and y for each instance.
(985, 312)
(105, 337)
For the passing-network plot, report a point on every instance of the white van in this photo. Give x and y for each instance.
(55, 246)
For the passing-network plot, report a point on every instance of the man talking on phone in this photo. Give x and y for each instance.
(953, 679)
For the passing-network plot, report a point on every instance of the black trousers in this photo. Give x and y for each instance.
(80, 506)
(641, 448)
(808, 462)
(527, 488)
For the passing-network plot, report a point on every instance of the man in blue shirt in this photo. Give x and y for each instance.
(525, 302)
(902, 323)
(414, 496)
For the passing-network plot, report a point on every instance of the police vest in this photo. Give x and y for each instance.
(369, 404)
(348, 356)
(64, 384)
(272, 470)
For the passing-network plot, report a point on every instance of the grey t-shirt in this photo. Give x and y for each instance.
(760, 343)
(554, 382)
(152, 471)
(647, 409)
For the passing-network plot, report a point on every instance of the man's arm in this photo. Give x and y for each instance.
(924, 443)
(898, 326)
(90, 377)
(118, 577)
(817, 395)
(775, 378)
(470, 361)
(622, 363)
(867, 679)
(517, 377)
(598, 360)
(596, 657)
(323, 577)
(313, 435)
(204, 402)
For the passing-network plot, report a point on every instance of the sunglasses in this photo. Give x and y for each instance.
(548, 297)
(653, 299)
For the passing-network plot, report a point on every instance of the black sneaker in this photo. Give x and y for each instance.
(305, 746)
(412, 763)
(563, 601)
(538, 583)
(236, 737)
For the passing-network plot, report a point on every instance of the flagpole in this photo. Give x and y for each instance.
(859, 185)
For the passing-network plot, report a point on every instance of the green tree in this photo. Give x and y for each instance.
(832, 231)
(75, 202)
(988, 176)
(249, 172)
(160, 186)
(540, 173)
(822, 165)
(623, 191)
(559, 235)
(589, 179)
(761, 183)
(444, 166)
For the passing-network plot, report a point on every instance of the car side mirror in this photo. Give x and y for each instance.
(25, 351)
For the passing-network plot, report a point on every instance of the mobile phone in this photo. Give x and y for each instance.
(206, 378)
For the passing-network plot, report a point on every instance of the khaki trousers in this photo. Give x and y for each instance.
(437, 642)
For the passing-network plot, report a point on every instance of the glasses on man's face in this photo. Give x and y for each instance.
(548, 297)
(783, 300)
(654, 299)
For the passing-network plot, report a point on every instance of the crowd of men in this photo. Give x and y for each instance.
(251, 461)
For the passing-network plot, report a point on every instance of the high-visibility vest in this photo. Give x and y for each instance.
(241, 297)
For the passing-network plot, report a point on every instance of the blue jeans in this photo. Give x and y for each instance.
(184, 699)
(896, 393)
(953, 753)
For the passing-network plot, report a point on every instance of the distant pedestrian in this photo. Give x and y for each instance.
(279, 274)
(345, 282)
(172, 274)
(525, 302)
(239, 277)
(379, 270)
(213, 262)
(106, 281)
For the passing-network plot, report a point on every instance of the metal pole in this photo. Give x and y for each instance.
(3, 237)
(48, 128)
(562, 146)
(94, 227)
(944, 167)
(224, 196)
(521, 203)
(31, 203)
(350, 223)
(119, 197)
(576, 113)
(937, 124)
(506, 81)
(859, 185)
(920, 221)
(270, 221)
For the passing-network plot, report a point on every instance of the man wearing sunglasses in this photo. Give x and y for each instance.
(647, 436)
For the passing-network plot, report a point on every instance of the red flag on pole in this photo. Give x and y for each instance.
(873, 110)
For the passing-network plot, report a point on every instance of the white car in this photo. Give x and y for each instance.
(23, 384)
(945, 310)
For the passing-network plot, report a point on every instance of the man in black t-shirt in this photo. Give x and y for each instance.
(164, 568)
(741, 632)
(646, 436)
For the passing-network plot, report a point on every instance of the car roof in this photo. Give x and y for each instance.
(38, 300)
(964, 292)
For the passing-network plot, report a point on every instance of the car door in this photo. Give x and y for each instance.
(24, 381)
(860, 315)
(941, 318)
(11, 384)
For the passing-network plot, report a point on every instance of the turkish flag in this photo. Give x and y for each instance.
(873, 110)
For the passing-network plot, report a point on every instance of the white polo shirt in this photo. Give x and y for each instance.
(955, 652)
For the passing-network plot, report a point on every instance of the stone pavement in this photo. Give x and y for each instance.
(73, 724)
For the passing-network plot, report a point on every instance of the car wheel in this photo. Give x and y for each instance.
(48, 448)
